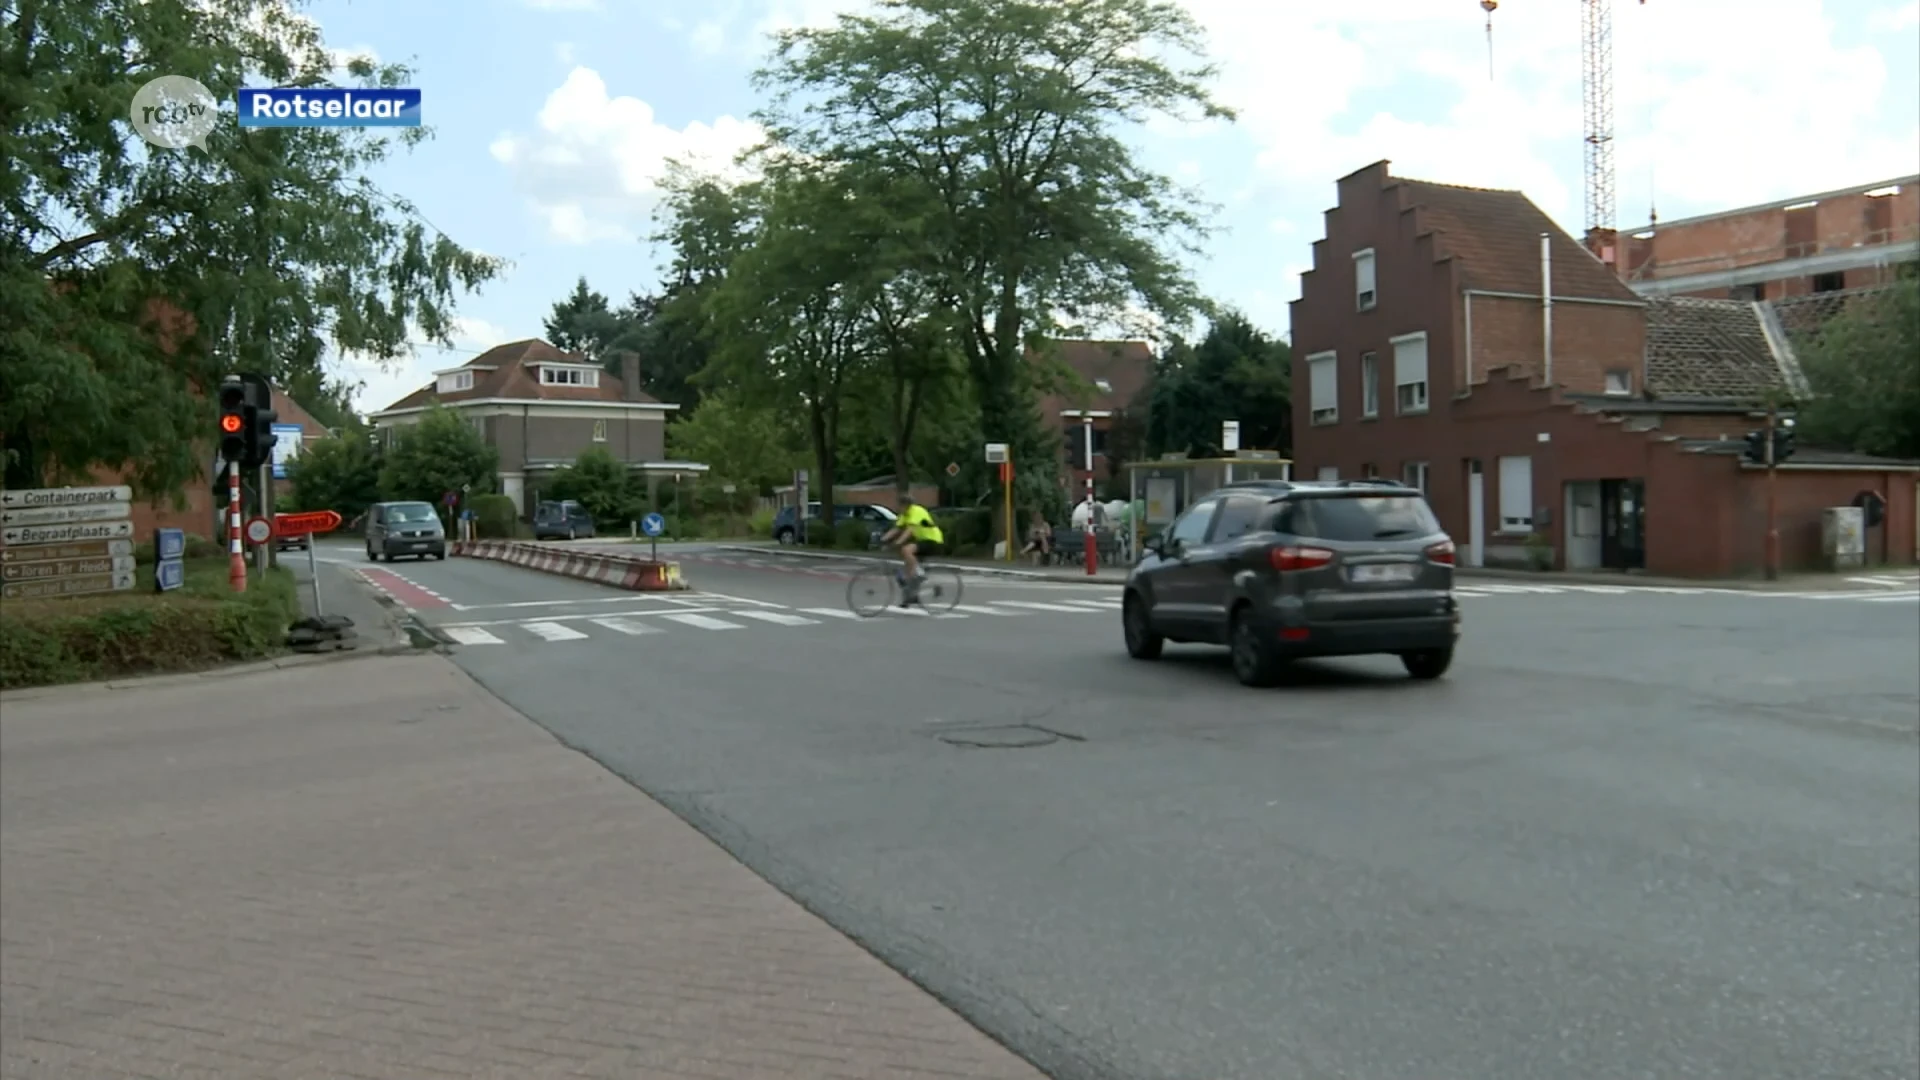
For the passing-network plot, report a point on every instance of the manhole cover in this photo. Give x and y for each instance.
(1005, 737)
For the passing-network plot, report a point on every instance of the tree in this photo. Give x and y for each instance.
(335, 474)
(754, 447)
(600, 482)
(1236, 372)
(439, 453)
(269, 242)
(1864, 368)
(1007, 114)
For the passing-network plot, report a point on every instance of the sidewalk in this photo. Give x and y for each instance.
(390, 876)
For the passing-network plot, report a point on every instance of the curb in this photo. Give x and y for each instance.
(253, 667)
(617, 571)
(964, 568)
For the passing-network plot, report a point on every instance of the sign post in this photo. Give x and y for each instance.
(653, 525)
(66, 541)
(800, 505)
(308, 525)
(1230, 443)
(998, 453)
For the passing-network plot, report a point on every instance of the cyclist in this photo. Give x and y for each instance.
(917, 535)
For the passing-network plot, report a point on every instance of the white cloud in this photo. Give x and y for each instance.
(593, 167)
(383, 384)
(1898, 18)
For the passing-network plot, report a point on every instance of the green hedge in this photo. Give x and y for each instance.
(201, 625)
(494, 516)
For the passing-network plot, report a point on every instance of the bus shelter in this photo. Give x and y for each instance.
(1159, 490)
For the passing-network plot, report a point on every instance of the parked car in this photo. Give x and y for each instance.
(564, 520)
(394, 529)
(1278, 571)
(881, 518)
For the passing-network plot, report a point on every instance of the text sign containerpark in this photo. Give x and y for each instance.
(317, 521)
(83, 549)
(26, 498)
(329, 106)
(65, 534)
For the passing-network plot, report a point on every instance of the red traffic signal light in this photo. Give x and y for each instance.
(230, 424)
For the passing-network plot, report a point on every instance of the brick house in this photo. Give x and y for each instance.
(1109, 378)
(540, 408)
(1830, 242)
(1601, 429)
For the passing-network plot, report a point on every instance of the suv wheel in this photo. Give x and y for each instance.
(372, 556)
(1427, 663)
(1254, 660)
(572, 533)
(785, 535)
(1142, 642)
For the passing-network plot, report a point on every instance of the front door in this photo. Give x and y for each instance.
(1623, 521)
(1476, 514)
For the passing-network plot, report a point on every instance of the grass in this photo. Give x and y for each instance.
(203, 624)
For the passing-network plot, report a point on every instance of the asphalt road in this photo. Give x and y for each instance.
(1632, 835)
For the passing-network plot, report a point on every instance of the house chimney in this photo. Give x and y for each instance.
(630, 376)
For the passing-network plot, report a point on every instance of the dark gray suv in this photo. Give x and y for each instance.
(1279, 571)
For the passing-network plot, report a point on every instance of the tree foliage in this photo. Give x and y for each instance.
(753, 446)
(1236, 372)
(439, 453)
(272, 242)
(339, 474)
(1864, 369)
(600, 482)
(1007, 115)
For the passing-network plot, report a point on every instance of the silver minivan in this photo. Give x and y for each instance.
(404, 528)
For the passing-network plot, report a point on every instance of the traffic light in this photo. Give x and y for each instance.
(260, 436)
(233, 420)
(1076, 449)
(1782, 444)
(1757, 447)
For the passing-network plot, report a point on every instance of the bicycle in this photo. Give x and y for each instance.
(880, 586)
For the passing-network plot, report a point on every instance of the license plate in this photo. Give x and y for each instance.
(421, 547)
(1374, 575)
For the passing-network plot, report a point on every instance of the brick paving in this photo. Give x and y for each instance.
(394, 876)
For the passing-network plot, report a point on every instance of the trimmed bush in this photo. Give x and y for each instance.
(494, 516)
(760, 526)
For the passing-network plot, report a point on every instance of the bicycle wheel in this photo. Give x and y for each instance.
(872, 591)
(941, 590)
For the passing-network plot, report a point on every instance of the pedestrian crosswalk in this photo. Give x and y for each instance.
(562, 629)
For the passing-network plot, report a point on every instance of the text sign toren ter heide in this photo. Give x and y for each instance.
(307, 524)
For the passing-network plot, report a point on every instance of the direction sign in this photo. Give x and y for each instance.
(38, 497)
(259, 530)
(996, 453)
(117, 581)
(313, 521)
(1230, 436)
(60, 515)
(84, 549)
(62, 534)
(653, 524)
(58, 568)
(953, 468)
(169, 574)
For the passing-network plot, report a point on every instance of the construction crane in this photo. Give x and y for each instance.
(1596, 98)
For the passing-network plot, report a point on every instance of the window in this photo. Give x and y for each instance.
(1369, 384)
(1516, 494)
(1192, 526)
(1369, 472)
(1355, 517)
(1620, 382)
(1414, 475)
(1328, 473)
(599, 431)
(479, 425)
(1410, 373)
(1323, 384)
(1238, 516)
(570, 376)
(1829, 282)
(455, 381)
(1364, 295)
(1750, 293)
(1103, 386)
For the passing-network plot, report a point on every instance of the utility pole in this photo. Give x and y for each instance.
(1092, 543)
(1773, 495)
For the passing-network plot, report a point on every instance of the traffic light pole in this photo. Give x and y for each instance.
(1091, 556)
(1773, 496)
(263, 553)
(237, 559)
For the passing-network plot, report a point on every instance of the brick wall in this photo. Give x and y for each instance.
(1775, 233)
(1588, 341)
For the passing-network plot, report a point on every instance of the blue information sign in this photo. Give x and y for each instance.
(169, 575)
(169, 547)
(653, 524)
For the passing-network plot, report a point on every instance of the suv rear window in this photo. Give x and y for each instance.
(1352, 518)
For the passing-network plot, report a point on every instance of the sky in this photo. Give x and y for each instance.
(553, 121)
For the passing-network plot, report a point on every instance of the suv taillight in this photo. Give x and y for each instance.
(1299, 558)
(1441, 552)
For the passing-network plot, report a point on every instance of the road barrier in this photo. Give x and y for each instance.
(618, 571)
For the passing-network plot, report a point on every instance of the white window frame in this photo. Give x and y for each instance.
(479, 424)
(1328, 473)
(599, 431)
(1516, 486)
(1369, 471)
(453, 382)
(1409, 393)
(584, 377)
(1414, 474)
(1323, 410)
(1369, 385)
(1103, 386)
(1366, 280)
(1623, 387)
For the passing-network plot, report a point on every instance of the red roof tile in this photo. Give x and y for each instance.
(507, 371)
(1125, 366)
(1494, 236)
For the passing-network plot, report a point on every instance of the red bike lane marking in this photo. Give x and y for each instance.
(407, 594)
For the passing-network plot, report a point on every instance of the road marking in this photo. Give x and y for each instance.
(1097, 605)
(701, 621)
(920, 613)
(1890, 582)
(831, 612)
(1897, 598)
(976, 609)
(778, 618)
(624, 625)
(471, 635)
(626, 599)
(572, 617)
(1038, 606)
(728, 596)
(553, 631)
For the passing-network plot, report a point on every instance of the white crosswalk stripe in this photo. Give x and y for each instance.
(778, 618)
(473, 635)
(1037, 605)
(553, 631)
(703, 622)
(622, 625)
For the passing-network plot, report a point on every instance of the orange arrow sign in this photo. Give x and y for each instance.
(317, 521)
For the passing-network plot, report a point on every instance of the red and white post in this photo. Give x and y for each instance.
(236, 557)
(1093, 547)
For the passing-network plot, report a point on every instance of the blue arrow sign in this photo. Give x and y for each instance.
(653, 524)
